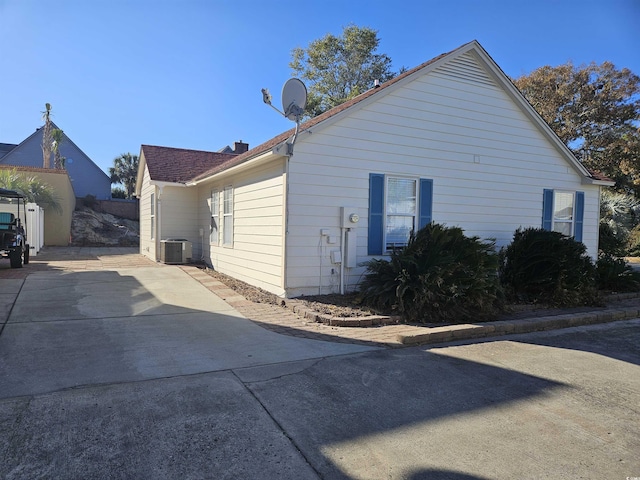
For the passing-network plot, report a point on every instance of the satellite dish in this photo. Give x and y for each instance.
(294, 99)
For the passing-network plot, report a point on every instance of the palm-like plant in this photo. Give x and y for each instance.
(125, 171)
(440, 276)
(619, 214)
(57, 137)
(46, 136)
(31, 187)
(542, 266)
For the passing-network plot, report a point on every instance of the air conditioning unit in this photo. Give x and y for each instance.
(175, 250)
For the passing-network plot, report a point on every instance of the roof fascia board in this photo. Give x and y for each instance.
(142, 165)
(162, 184)
(594, 181)
(260, 159)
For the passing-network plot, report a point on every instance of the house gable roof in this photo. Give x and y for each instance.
(483, 57)
(6, 148)
(7, 158)
(179, 165)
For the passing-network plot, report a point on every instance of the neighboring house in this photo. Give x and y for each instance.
(86, 177)
(451, 141)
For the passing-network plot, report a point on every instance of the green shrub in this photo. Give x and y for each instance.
(117, 192)
(440, 276)
(611, 243)
(615, 275)
(90, 201)
(634, 242)
(541, 266)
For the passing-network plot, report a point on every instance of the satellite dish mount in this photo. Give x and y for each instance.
(294, 100)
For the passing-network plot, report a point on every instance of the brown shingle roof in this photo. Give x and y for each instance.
(179, 165)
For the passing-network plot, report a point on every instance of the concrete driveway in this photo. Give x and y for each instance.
(92, 326)
(123, 373)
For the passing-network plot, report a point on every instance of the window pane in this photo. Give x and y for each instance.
(401, 196)
(215, 212)
(214, 230)
(228, 201)
(562, 227)
(228, 230)
(227, 225)
(563, 206)
(398, 230)
(400, 211)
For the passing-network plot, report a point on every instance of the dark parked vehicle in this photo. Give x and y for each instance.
(13, 234)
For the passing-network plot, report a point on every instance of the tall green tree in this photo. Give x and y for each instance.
(125, 171)
(595, 110)
(46, 136)
(338, 68)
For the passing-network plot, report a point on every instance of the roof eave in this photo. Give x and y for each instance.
(595, 181)
(251, 162)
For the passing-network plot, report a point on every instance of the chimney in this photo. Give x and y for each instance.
(240, 147)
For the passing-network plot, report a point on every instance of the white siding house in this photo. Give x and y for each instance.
(450, 141)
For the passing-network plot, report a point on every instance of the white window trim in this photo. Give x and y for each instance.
(386, 214)
(215, 218)
(227, 215)
(153, 216)
(571, 222)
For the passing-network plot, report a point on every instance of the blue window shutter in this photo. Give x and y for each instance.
(426, 202)
(376, 214)
(547, 209)
(577, 231)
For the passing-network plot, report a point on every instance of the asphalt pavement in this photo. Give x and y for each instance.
(118, 368)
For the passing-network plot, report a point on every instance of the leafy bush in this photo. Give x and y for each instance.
(619, 215)
(117, 192)
(634, 242)
(614, 274)
(541, 266)
(90, 201)
(609, 242)
(440, 276)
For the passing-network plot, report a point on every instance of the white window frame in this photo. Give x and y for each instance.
(227, 217)
(214, 234)
(416, 182)
(556, 221)
(153, 216)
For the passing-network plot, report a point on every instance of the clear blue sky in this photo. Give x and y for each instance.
(188, 73)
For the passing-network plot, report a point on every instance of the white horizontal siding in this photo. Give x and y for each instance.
(179, 218)
(256, 256)
(147, 245)
(488, 162)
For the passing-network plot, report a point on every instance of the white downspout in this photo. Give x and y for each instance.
(287, 159)
(158, 222)
(343, 236)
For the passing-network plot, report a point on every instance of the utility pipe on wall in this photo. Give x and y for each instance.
(343, 236)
